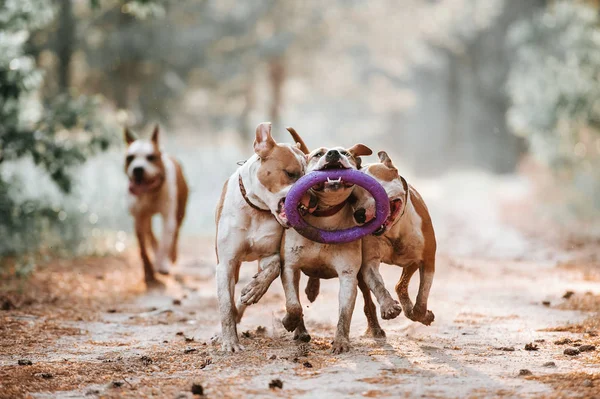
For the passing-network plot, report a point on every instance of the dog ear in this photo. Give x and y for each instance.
(128, 136)
(263, 143)
(385, 159)
(155, 134)
(301, 145)
(359, 150)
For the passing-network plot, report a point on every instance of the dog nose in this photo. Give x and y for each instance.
(360, 216)
(332, 156)
(138, 172)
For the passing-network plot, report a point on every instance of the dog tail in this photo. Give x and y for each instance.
(312, 288)
(298, 140)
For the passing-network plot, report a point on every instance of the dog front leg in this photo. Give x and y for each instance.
(226, 276)
(168, 236)
(140, 231)
(347, 300)
(270, 268)
(389, 307)
(150, 238)
(290, 278)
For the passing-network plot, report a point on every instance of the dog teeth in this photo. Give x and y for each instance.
(338, 180)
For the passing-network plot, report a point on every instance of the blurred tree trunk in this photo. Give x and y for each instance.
(276, 78)
(454, 112)
(65, 44)
(245, 128)
(124, 72)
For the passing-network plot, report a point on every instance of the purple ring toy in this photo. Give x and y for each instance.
(382, 206)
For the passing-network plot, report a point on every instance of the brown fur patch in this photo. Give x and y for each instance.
(274, 169)
(182, 191)
(430, 244)
(182, 196)
(382, 172)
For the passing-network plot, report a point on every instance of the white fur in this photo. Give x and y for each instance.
(140, 150)
(245, 234)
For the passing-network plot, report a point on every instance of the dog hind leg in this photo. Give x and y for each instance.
(420, 312)
(312, 289)
(374, 329)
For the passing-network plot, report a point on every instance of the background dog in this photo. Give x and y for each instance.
(250, 219)
(156, 185)
(406, 239)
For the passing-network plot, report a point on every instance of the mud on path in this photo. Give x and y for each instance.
(90, 329)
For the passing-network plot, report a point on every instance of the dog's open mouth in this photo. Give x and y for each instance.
(144, 186)
(395, 208)
(333, 165)
(281, 211)
(332, 184)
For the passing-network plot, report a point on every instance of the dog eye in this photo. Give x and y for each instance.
(151, 158)
(292, 175)
(345, 153)
(129, 158)
(319, 154)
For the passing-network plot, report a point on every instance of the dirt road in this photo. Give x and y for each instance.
(91, 330)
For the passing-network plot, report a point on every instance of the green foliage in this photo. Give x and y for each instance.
(554, 89)
(56, 135)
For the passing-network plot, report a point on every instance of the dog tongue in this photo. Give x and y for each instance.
(135, 189)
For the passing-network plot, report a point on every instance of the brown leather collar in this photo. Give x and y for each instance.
(330, 211)
(243, 191)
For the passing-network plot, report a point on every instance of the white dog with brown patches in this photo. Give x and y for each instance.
(406, 239)
(250, 221)
(334, 211)
(156, 186)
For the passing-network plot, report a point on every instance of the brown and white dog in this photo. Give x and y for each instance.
(334, 211)
(156, 185)
(406, 239)
(250, 220)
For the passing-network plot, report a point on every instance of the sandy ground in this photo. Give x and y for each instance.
(90, 328)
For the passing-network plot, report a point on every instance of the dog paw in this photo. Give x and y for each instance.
(231, 346)
(390, 310)
(164, 267)
(154, 284)
(422, 315)
(376, 333)
(428, 318)
(253, 292)
(340, 346)
(302, 336)
(291, 320)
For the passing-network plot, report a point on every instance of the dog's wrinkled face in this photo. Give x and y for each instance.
(335, 191)
(395, 186)
(281, 165)
(143, 163)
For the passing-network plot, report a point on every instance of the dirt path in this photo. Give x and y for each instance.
(91, 331)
